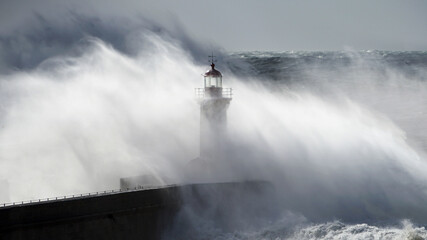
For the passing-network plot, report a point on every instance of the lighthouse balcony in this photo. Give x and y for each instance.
(213, 92)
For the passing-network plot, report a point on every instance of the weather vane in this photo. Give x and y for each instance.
(212, 58)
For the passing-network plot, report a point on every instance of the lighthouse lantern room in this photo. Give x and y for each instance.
(213, 77)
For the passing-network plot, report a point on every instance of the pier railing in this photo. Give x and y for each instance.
(225, 93)
(76, 196)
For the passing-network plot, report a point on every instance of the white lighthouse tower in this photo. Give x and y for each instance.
(214, 101)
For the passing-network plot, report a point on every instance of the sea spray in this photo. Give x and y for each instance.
(77, 124)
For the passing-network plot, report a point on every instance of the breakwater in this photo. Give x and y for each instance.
(134, 214)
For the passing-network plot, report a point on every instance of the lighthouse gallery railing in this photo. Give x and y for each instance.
(226, 93)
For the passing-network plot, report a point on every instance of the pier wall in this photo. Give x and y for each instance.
(139, 214)
(136, 214)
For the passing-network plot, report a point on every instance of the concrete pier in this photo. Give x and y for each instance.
(136, 214)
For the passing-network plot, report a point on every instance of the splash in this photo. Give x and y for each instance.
(338, 230)
(78, 124)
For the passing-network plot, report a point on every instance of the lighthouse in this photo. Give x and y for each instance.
(214, 101)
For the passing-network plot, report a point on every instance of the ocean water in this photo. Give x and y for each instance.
(389, 82)
(328, 230)
(342, 136)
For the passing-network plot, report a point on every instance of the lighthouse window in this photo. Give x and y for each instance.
(213, 81)
(216, 82)
(208, 81)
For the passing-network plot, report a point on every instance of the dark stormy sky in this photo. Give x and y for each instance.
(253, 24)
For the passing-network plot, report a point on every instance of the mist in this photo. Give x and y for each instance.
(334, 144)
(354, 160)
(78, 124)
